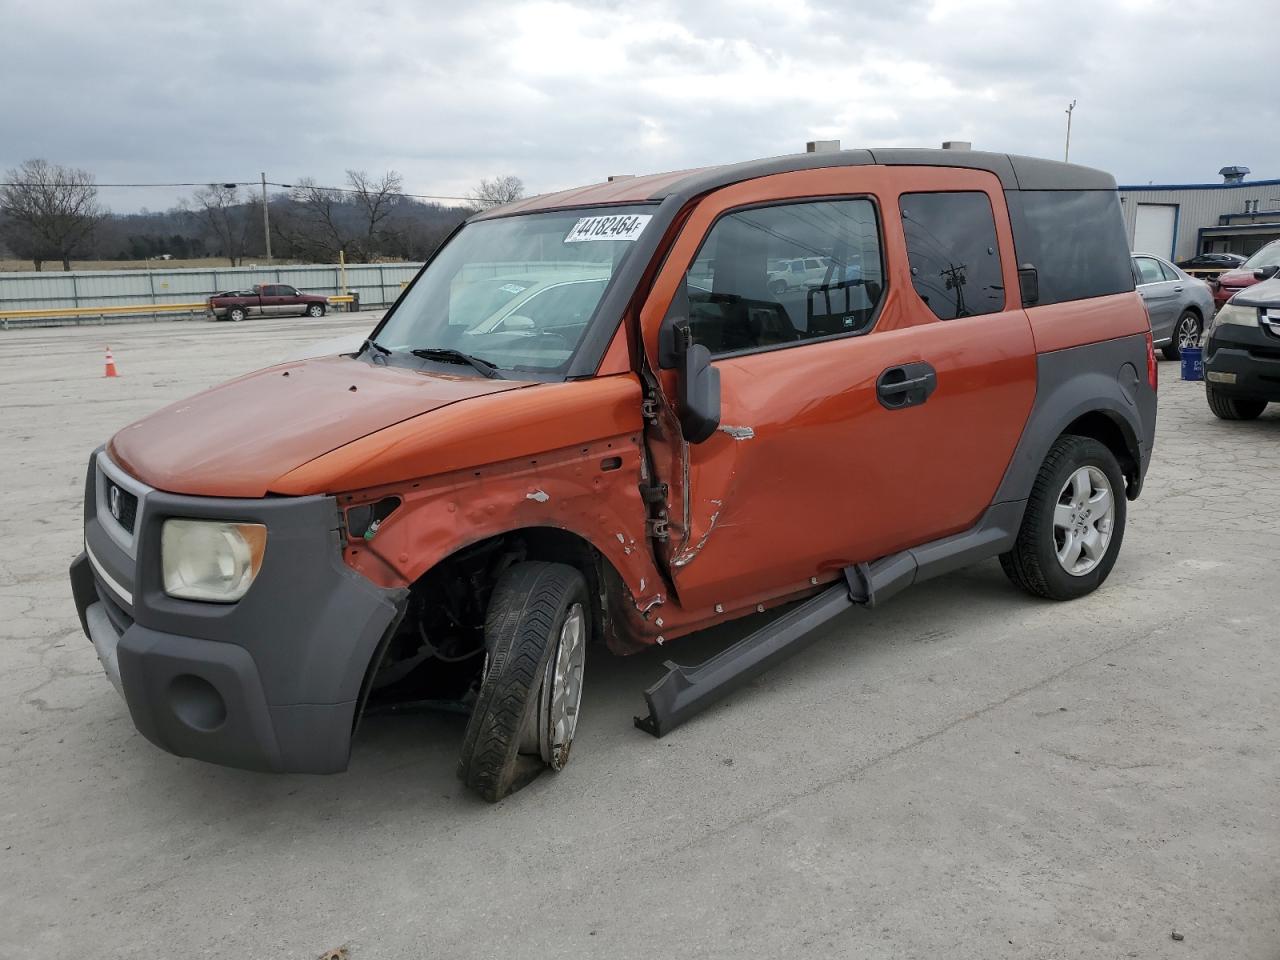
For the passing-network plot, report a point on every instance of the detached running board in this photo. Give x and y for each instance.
(686, 691)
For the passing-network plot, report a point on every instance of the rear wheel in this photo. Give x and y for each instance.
(236, 314)
(1074, 522)
(1186, 333)
(315, 310)
(1227, 407)
(526, 714)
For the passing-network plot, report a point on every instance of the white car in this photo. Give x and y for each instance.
(802, 272)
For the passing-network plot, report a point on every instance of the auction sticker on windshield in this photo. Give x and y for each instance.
(625, 226)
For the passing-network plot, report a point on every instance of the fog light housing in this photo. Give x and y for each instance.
(210, 560)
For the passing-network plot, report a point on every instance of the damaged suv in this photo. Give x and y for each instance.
(593, 417)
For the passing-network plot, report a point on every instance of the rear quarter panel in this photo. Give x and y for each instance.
(1074, 323)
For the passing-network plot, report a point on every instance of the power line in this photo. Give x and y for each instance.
(20, 183)
(242, 183)
(394, 193)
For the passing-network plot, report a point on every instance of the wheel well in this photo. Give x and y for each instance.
(560, 546)
(442, 629)
(1102, 427)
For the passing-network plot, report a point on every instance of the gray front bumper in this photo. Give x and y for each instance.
(273, 682)
(105, 642)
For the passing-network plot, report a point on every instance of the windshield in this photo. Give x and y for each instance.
(517, 292)
(1268, 256)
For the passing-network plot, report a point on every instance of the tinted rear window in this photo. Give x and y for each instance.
(1075, 239)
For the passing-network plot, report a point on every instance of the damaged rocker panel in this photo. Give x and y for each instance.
(687, 690)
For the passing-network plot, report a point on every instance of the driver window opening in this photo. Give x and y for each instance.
(783, 274)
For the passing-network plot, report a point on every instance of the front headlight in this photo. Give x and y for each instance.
(1237, 315)
(210, 560)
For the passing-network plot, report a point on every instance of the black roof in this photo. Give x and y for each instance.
(1015, 172)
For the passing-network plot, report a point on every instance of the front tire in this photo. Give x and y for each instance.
(1186, 333)
(526, 713)
(1074, 522)
(1227, 407)
(315, 310)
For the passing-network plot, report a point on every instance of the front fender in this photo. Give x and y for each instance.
(590, 490)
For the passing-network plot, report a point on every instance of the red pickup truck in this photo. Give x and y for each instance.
(265, 300)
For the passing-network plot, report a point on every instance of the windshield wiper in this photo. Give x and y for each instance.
(449, 355)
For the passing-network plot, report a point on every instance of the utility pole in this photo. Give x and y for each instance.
(1066, 154)
(266, 220)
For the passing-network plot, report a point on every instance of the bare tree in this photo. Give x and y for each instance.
(224, 217)
(499, 190)
(377, 200)
(50, 211)
(320, 227)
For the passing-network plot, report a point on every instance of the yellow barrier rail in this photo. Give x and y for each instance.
(131, 309)
(102, 311)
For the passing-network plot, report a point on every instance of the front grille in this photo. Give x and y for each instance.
(122, 505)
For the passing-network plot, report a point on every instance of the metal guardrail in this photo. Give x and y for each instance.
(376, 283)
(66, 316)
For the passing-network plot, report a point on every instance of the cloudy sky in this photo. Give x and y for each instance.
(562, 93)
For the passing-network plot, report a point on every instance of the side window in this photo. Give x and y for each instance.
(284, 290)
(1148, 270)
(952, 251)
(1168, 271)
(748, 286)
(1075, 239)
(271, 290)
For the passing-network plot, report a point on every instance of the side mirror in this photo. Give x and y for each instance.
(1029, 285)
(698, 381)
(1266, 273)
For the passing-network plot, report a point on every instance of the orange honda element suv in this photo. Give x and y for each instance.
(592, 417)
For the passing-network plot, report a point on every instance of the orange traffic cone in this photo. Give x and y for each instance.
(111, 365)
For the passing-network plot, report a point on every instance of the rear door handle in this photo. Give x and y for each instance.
(907, 385)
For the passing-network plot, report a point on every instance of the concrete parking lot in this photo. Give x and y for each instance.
(966, 772)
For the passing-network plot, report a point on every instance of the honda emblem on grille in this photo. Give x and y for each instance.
(113, 500)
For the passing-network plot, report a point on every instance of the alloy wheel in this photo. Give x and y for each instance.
(1083, 520)
(1188, 332)
(562, 690)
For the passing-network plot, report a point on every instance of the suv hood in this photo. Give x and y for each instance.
(1264, 294)
(236, 439)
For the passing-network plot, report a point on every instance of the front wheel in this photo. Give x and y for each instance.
(315, 310)
(1186, 333)
(1074, 522)
(1227, 407)
(526, 713)
(777, 287)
